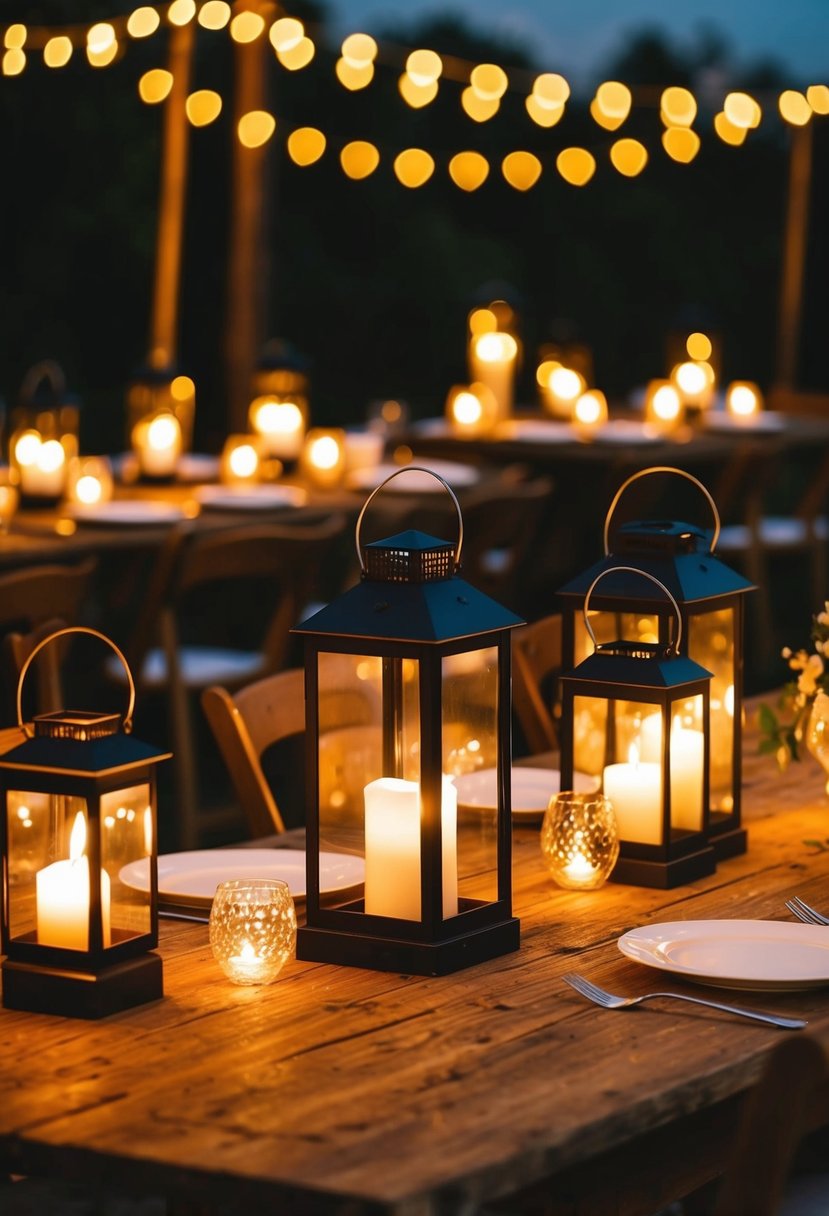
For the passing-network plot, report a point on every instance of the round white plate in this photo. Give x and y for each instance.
(532, 789)
(131, 511)
(538, 430)
(458, 475)
(626, 430)
(252, 498)
(766, 422)
(197, 466)
(757, 954)
(192, 878)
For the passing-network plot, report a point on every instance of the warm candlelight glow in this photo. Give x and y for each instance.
(323, 457)
(252, 929)
(635, 791)
(492, 359)
(590, 409)
(41, 465)
(281, 425)
(471, 409)
(63, 897)
(393, 825)
(663, 404)
(579, 840)
(157, 442)
(743, 399)
(240, 460)
(90, 481)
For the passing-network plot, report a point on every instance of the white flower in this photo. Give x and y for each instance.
(823, 618)
(809, 676)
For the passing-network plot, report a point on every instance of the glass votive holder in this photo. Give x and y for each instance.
(252, 928)
(580, 840)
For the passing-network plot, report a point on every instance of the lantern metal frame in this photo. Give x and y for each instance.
(80, 754)
(648, 674)
(681, 557)
(411, 604)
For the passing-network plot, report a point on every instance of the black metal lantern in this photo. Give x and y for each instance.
(80, 888)
(636, 716)
(278, 411)
(161, 406)
(408, 688)
(711, 601)
(43, 439)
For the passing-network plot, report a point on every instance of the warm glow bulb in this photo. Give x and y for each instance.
(628, 157)
(565, 383)
(742, 111)
(424, 67)
(576, 165)
(15, 37)
(155, 85)
(817, 96)
(665, 404)
(57, 52)
(14, 61)
(88, 490)
(50, 456)
(678, 107)
(467, 408)
(613, 100)
(794, 108)
(743, 399)
(727, 131)
(100, 38)
(181, 11)
(359, 159)
(488, 81)
(413, 167)
(305, 145)
(550, 90)
(26, 448)
(521, 169)
(590, 408)
(477, 108)
(541, 115)
(143, 22)
(244, 460)
(353, 78)
(277, 418)
(698, 345)
(691, 378)
(102, 59)
(297, 57)
(203, 107)
(246, 26)
(325, 452)
(286, 34)
(182, 388)
(255, 128)
(496, 348)
(214, 15)
(359, 50)
(416, 95)
(482, 321)
(681, 144)
(163, 432)
(468, 170)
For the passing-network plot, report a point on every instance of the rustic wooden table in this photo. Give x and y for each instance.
(340, 1090)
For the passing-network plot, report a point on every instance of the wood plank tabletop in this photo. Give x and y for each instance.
(342, 1090)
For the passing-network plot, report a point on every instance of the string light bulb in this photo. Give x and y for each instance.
(488, 82)
(576, 165)
(817, 96)
(611, 105)
(15, 37)
(297, 57)
(478, 108)
(57, 52)
(681, 144)
(255, 128)
(416, 95)
(359, 51)
(699, 346)
(181, 12)
(351, 77)
(359, 159)
(202, 107)
(286, 34)
(794, 108)
(628, 157)
(728, 133)
(101, 44)
(521, 169)
(155, 85)
(14, 61)
(742, 110)
(541, 115)
(424, 67)
(468, 170)
(550, 90)
(143, 22)
(247, 26)
(413, 167)
(677, 107)
(214, 15)
(305, 145)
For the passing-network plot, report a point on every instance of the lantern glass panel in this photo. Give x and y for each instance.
(638, 626)
(711, 644)
(127, 840)
(470, 745)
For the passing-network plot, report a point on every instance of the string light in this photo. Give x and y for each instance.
(359, 51)
(155, 85)
(543, 116)
(677, 107)
(817, 96)
(550, 90)
(488, 82)
(359, 159)
(214, 15)
(468, 170)
(143, 22)
(681, 144)
(57, 52)
(576, 165)
(699, 347)
(413, 167)
(14, 61)
(521, 169)
(628, 157)
(424, 67)
(286, 34)
(181, 12)
(611, 105)
(353, 78)
(255, 128)
(305, 145)
(15, 36)
(298, 56)
(203, 107)
(727, 131)
(794, 108)
(416, 95)
(247, 26)
(101, 45)
(478, 108)
(742, 110)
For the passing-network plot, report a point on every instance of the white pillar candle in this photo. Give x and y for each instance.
(635, 790)
(687, 752)
(492, 359)
(281, 425)
(393, 815)
(63, 897)
(158, 445)
(42, 466)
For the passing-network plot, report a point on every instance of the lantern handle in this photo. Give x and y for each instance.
(644, 574)
(661, 468)
(410, 468)
(52, 637)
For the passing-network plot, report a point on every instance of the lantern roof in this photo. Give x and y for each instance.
(94, 757)
(677, 554)
(638, 666)
(408, 593)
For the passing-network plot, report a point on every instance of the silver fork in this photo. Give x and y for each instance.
(609, 1001)
(804, 912)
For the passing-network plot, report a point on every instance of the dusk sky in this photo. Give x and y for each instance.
(576, 37)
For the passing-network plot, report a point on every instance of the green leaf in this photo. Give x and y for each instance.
(768, 747)
(767, 720)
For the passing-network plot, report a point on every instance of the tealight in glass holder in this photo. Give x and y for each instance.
(580, 840)
(252, 929)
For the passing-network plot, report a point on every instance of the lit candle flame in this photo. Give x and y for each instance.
(77, 837)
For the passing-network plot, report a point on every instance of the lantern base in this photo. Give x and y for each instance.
(316, 945)
(82, 994)
(729, 844)
(665, 874)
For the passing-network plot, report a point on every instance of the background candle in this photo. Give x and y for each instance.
(393, 815)
(635, 791)
(492, 359)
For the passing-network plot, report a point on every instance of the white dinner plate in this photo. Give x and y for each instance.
(458, 475)
(252, 498)
(626, 430)
(538, 430)
(197, 466)
(130, 511)
(532, 789)
(192, 878)
(756, 954)
(764, 423)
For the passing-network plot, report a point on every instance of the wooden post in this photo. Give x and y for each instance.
(164, 322)
(248, 273)
(794, 256)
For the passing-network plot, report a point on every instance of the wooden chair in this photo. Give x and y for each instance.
(195, 627)
(790, 1100)
(536, 659)
(31, 601)
(249, 722)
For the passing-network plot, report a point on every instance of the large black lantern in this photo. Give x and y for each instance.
(635, 716)
(80, 889)
(408, 687)
(711, 600)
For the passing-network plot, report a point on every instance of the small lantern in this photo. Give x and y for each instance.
(743, 401)
(637, 715)
(90, 481)
(240, 463)
(157, 444)
(471, 410)
(279, 409)
(407, 685)
(80, 889)
(664, 408)
(160, 392)
(711, 602)
(694, 381)
(590, 412)
(323, 457)
(44, 435)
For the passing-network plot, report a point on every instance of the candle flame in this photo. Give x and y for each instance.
(633, 754)
(247, 954)
(77, 837)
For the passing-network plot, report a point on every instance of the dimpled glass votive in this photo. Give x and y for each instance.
(252, 928)
(579, 840)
